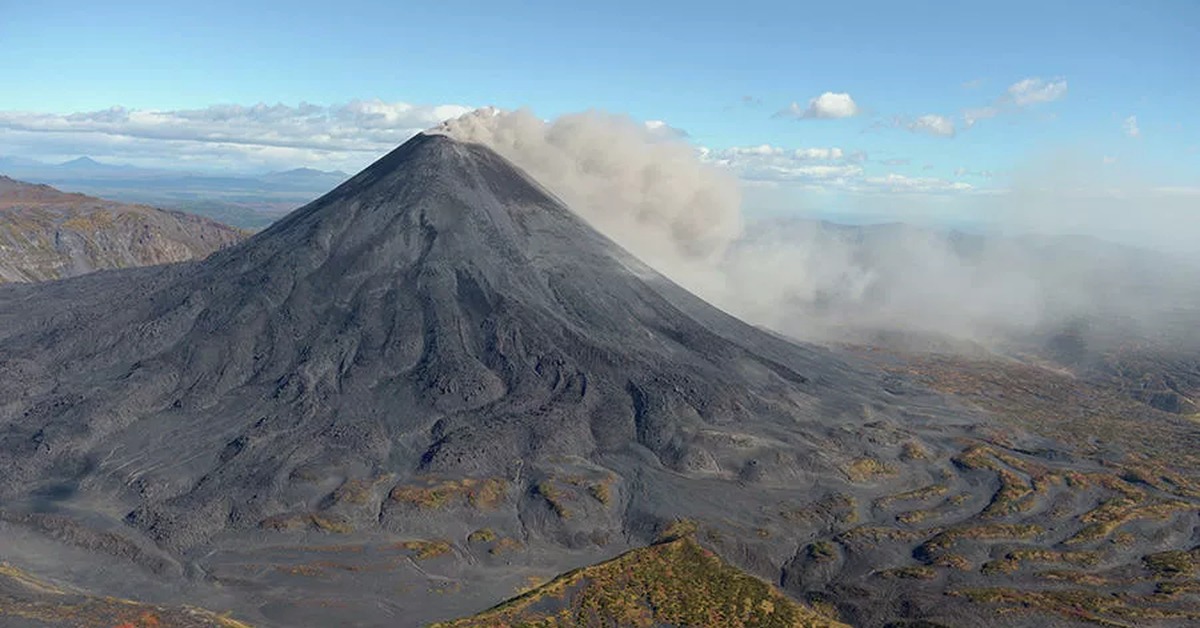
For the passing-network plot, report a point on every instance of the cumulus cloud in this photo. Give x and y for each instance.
(1130, 127)
(933, 124)
(1032, 91)
(827, 106)
(349, 134)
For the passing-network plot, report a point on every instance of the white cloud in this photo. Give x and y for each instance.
(1130, 127)
(899, 183)
(971, 116)
(662, 130)
(767, 150)
(1019, 96)
(932, 124)
(1034, 90)
(800, 165)
(827, 106)
(1176, 190)
(348, 134)
(820, 169)
(824, 154)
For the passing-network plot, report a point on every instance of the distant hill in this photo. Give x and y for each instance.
(307, 176)
(248, 201)
(87, 164)
(49, 234)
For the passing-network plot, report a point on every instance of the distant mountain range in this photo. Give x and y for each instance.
(243, 200)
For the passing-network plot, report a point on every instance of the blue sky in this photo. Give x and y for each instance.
(721, 72)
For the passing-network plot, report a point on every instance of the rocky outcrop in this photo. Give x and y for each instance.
(48, 234)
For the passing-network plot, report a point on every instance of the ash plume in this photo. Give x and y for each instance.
(653, 193)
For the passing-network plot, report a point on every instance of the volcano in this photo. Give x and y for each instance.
(409, 397)
(439, 313)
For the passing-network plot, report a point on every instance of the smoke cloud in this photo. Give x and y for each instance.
(637, 183)
(681, 212)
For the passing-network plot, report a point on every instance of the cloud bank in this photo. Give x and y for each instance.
(346, 135)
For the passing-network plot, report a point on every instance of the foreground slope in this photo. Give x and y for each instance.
(406, 399)
(47, 234)
(26, 601)
(672, 583)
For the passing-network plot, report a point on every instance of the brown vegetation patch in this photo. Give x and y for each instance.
(356, 491)
(1114, 513)
(1080, 605)
(918, 572)
(425, 549)
(837, 508)
(986, 532)
(1172, 564)
(863, 470)
(913, 450)
(481, 493)
(600, 492)
(951, 561)
(325, 522)
(482, 535)
(920, 494)
(878, 534)
(505, 545)
(555, 497)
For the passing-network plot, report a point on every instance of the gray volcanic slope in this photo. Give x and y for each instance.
(435, 347)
